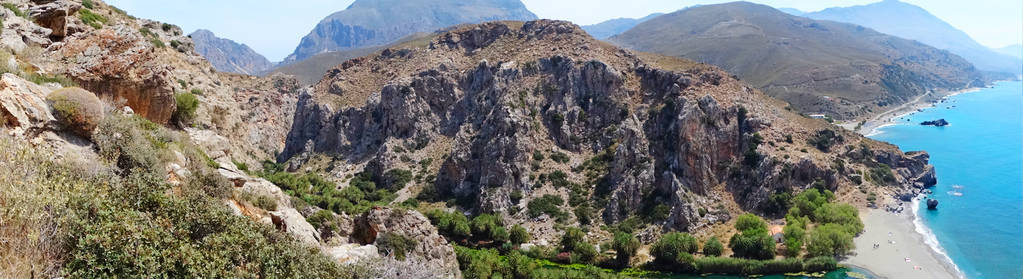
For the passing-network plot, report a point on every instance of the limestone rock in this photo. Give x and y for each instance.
(431, 251)
(53, 15)
(289, 220)
(23, 105)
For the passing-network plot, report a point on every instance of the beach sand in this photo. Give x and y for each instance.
(889, 259)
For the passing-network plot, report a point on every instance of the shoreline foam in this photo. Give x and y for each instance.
(931, 239)
(889, 260)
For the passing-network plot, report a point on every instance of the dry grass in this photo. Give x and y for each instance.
(33, 189)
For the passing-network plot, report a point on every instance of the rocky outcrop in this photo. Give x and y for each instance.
(936, 123)
(54, 15)
(932, 204)
(120, 65)
(23, 107)
(431, 251)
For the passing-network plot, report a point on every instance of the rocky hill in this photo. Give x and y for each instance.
(616, 26)
(229, 56)
(497, 117)
(368, 23)
(838, 69)
(912, 22)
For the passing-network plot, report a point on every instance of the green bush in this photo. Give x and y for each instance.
(713, 247)
(361, 194)
(825, 139)
(560, 157)
(187, 103)
(92, 19)
(77, 110)
(453, 225)
(396, 245)
(519, 235)
(537, 155)
(625, 246)
(669, 247)
(753, 240)
(397, 179)
(88, 4)
(268, 203)
(547, 204)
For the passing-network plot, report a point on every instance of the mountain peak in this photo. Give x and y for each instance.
(369, 23)
(229, 56)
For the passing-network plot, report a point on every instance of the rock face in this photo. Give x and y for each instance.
(796, 59)
(379, 22)
(23, 106)
(54, 15)
(936, 123)
(120, 65)
(634, 134)
(229, 56)
(431, 251)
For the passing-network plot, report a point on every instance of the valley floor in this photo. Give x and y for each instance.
(901, 253)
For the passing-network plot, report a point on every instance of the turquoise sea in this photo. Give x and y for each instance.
(979, 164)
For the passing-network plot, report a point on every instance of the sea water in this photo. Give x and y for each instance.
(979, 164)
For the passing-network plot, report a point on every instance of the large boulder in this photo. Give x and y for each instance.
(23, 105)
(431, 252)
(53, 15)
(79, 111)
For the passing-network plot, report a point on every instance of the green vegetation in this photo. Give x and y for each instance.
(453, 225)
(547, 204)
(268, 203)
(119, 217)
(713, 247)
(674, 252)
(753, 240)
(88, 4)
(823, 140)
(559, 157)
(625, 246)
(187, 104)
(882, 174)
(92, 19)
(396, 245)
(519, 235)
(361, 194)
(14, 9)
(837, 224)
(76, 109)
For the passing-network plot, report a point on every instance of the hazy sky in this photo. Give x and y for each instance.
(274, 28)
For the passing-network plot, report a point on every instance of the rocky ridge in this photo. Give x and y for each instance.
(637, 130)
(229, 56)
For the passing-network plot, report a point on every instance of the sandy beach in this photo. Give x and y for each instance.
(902, 251)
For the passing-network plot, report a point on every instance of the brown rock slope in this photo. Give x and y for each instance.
(842, 70)
(486, 111)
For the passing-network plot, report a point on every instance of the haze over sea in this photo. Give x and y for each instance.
(979, 164)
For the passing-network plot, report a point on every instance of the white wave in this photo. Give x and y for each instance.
(930, 238)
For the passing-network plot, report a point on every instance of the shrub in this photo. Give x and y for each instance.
(77, 110)
(397, 179)
(187, 103)
(537, 155)
(92, 19)
(571, 237)
(584, 213)
(560, 157)
(487, 226)
(667, 250)
(519, 235)
(625, 246)
(88, 4)
(265, 202)
(819, 264)
(453, 225)
(547, 204)
(713, 247)
(825, 139)
(795, 233)
(121, 140)
(396, 245)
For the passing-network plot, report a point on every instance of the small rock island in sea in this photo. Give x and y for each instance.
(937, 123)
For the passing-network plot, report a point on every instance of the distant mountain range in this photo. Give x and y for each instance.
(368, 23)
(914, 23)
(840, 69)
(1012, 50)
(229, 56)
(616, 26)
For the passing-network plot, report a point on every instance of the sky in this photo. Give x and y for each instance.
(274, 28)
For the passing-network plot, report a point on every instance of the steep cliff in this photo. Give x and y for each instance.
(477, 112)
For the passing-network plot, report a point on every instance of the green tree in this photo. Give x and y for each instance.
(829, 240)
(753, 240)
(713, 247)
(625, 246)
(667, 249)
